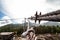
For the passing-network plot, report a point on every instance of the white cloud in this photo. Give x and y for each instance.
(54, 2)
(5, 21)
(26, 8)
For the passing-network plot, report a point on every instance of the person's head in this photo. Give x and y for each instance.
(31, 31)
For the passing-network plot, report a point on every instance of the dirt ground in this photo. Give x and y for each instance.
(19, 38)
(43, 37)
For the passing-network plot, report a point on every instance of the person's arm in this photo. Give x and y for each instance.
(35, 38)
(27, 37)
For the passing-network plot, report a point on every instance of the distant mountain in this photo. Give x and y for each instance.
(51, 24)
(34, 24)
(31, 24)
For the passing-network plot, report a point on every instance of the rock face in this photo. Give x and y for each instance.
(48, 37)
(6, 35)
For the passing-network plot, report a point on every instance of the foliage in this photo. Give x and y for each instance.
(47, 29)
(19, 29)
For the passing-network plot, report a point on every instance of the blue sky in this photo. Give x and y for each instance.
(2, 15)
(1, 8)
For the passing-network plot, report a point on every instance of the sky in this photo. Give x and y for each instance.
(1, 15)
(26, 8)
(54, 2)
